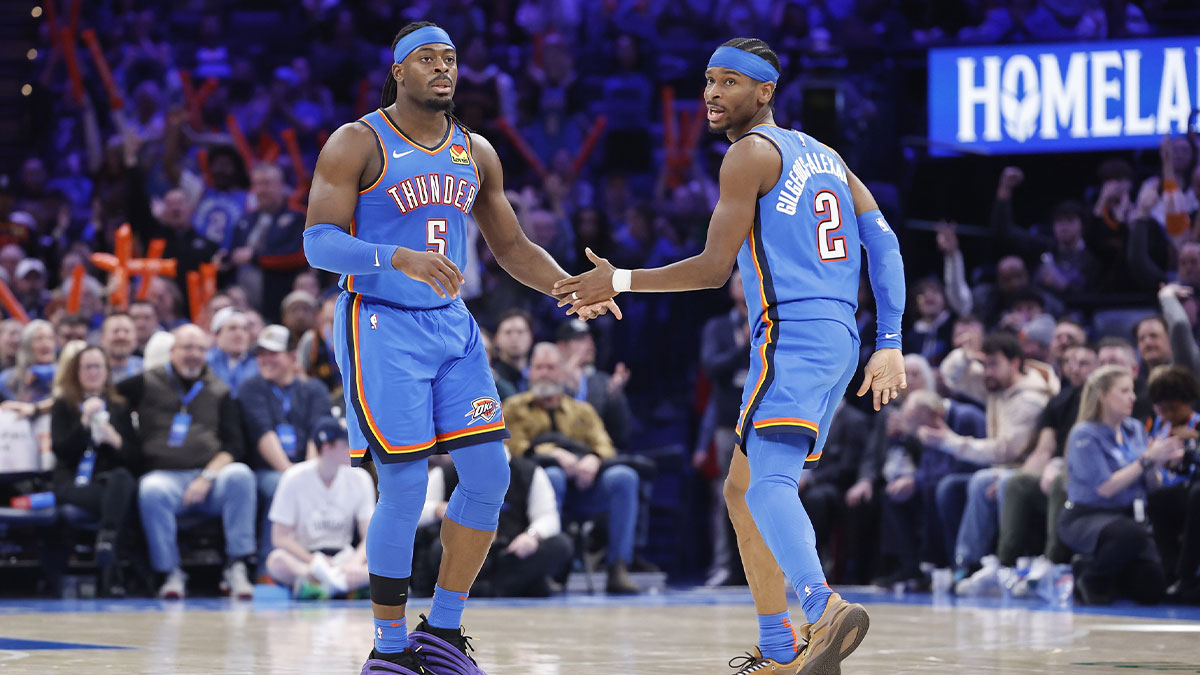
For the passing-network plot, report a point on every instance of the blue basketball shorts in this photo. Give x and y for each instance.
(799, 371)
(416, 381)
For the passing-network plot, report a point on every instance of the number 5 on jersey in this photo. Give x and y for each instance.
(829, 248)
(436, 239)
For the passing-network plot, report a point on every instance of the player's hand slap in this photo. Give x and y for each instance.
(884, 376)
(431, 267)
(593, 287)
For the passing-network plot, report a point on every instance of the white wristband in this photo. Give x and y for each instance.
(621, 280)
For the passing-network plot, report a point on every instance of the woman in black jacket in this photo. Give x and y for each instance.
(93, 439)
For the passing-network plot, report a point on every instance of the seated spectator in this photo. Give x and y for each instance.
(1068, 267)
(31, 378)
(266, 248)
(319, 506)
(279, 410)
(929, 334)
(1115, 351)
(1016, 390)
(912, 527)
(315, 351)
(1035, 496)
(1110, 467)
(604, 391)
(1175, 507)
(1067, 333)
(69, 327)
(191, 440)
(94, 444)
(10, 342)
(29, 287)
(230, 358)
(299, 311)
(514, 336)
(1153, 346)
(569, 436)
(145, 323)
(118, 337)
(530, 548)
(1012, 285)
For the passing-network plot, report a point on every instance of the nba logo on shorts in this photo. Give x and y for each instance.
(483, 409)
(374, 322)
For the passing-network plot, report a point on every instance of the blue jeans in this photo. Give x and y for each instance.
(615, 493)
(268, 480)
(951, 496)
(232, 497)
(981, 518)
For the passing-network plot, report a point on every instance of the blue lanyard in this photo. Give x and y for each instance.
(284, 400)
(184, 399)
(581, 395)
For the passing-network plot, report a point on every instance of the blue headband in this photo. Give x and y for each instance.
(750, 65)
(429, 35)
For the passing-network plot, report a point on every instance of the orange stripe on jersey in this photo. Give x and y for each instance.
(358, 454)
(383, 151)
(471, 431)
(362, 396)
(787, 421)
(350, 277)
(449, 135)
(762, 350)
(471, 155)
(813, 458)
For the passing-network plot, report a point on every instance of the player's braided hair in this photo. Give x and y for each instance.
(758, 48)
(388, 96)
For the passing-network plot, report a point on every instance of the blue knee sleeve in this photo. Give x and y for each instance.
(394, 523)
(482, 483)
(776, 462)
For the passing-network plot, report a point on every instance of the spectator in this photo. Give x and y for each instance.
(1175, 507)
(1178, 306)
(94, 445)
(30, 379)
(68, 327)
(1153, 346)
(1035, 496)
(724, 357)
(569, 436)
(10, 342)
(224, 201)
(1108, 472)
(145, 323)
(29, 285)
(1069, 267)
(118, 337)
(1067, 333)
(514, 336)
(267, 242)
(912, 528)
(530, 548)
(167, 301)
(279, 410)
(158, 350)
(299, 311)
(191, 440)
(1012, 286)
(937, 303)
(1109, 234)
(230, 359)
(1115, 351)
(319, 506)
(604, 391)
(315, 352)
(1016, 390)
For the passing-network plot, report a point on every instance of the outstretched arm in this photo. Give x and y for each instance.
(527, 262)
(750, 169)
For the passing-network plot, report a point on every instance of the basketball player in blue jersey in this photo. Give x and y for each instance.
(388, 211)
(786, 214)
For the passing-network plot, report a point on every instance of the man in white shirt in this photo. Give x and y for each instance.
(316, 509)
(530, 548)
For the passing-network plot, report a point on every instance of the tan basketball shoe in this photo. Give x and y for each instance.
(754, 663)
(833, 637)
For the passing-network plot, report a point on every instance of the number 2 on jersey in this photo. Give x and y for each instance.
(436, 240)
(829, 248)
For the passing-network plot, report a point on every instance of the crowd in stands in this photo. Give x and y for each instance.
(1039, 427)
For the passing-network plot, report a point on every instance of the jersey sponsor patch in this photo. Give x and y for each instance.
(458, 154)
(483, 410)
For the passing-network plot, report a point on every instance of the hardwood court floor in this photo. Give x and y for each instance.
(679, 632)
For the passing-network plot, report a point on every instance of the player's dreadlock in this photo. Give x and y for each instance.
(758, 48)
(388, 96)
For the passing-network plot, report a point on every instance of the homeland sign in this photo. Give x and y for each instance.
(1079, 96)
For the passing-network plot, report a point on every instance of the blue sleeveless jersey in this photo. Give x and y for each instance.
(420, 201)
(802, 258)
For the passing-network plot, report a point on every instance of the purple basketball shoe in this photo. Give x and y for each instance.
(405, 663)
(444, 650)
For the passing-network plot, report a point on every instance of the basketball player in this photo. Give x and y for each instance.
(389, 210)
(787, 215)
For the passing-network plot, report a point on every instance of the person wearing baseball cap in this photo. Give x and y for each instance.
(313, 518)
(230, 356)
(279, 410)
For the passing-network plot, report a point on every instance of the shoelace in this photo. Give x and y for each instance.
(462, 642)
(747, 663)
